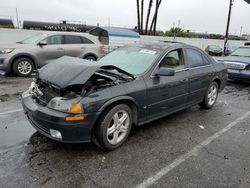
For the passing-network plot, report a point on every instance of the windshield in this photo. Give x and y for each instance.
(134, 60)
(34, 39)
(244, 52)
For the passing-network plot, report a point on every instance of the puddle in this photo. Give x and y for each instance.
(8, 97)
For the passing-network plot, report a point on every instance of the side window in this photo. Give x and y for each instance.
(173, 60)
(194, 58)
(71, 39)
(206, 60)
(86, 41)
(52, 40)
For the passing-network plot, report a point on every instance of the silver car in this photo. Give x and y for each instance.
(34, 52)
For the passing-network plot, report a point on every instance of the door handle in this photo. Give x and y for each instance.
(60, 48)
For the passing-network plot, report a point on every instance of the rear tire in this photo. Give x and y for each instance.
(210, 96)
(114, 127)
(23, 67)
(91, 58)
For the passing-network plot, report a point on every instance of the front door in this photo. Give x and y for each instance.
(166, 94)
(53, 49)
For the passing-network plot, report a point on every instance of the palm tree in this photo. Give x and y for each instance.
(154, 20)
(138, 16)
(158, 3)
(148, 15)
(142, 8)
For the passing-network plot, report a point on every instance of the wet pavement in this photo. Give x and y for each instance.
(28, 159)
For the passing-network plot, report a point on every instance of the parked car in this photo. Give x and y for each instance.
(238, 64)
(214, 50)
(247, 43)
(36, 51)
(133, 85)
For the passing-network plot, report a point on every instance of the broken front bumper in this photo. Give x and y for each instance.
(44, 120)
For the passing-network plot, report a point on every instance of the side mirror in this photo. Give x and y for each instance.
(165, 72)
(42, 43)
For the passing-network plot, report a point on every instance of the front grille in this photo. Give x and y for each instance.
(38, 126)
(235, 65)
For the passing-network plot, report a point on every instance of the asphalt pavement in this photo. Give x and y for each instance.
(191, 148)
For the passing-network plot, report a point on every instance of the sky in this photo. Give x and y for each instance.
(194, 15)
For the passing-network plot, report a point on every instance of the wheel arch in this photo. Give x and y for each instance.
(121, 100)
(25, 55)
(90, 54)
(218, 81)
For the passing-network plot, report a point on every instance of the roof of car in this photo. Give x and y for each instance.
(161, 45)
(87, 35)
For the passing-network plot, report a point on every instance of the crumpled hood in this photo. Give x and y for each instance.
(67, 71)
(245, 60)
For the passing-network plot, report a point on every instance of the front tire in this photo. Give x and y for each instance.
(114, 127)
(23, 67)
(211, 96)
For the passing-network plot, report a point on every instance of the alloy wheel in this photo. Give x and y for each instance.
(212, 95)
(24, 67)
(118, 127)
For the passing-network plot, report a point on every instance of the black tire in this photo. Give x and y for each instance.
(103, 138)
(207, 103)
(28, 64)
(90, 57)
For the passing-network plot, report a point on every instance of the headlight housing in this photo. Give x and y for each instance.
(60, 104)
(6, 50)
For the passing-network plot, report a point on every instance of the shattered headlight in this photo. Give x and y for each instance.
(6, 50)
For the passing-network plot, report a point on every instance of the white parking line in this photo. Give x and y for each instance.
(11, 111)
(153, 179)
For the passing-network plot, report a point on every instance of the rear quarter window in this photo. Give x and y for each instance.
(70, 39)
(195, 58)
(86, 41)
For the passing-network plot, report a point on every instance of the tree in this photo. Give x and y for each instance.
(142, 8)
(148, 15)
(177, 32)
(140, 16)
(158, 3)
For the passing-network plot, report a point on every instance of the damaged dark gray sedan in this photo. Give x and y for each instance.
(76, 101)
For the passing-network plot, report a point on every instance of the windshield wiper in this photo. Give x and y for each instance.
(111, 73)
(19, 42)
(111, 68)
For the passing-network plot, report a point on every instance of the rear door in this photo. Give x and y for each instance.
(53, 49)
(76, 46)
(166, 94)
(200, 74)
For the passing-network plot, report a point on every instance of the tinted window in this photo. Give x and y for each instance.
(173, 60)
(206, 60)
(194, 58)
(55, 39)
(70, 39)
(86, 41)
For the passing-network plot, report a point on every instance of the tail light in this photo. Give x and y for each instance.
(102, 47)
